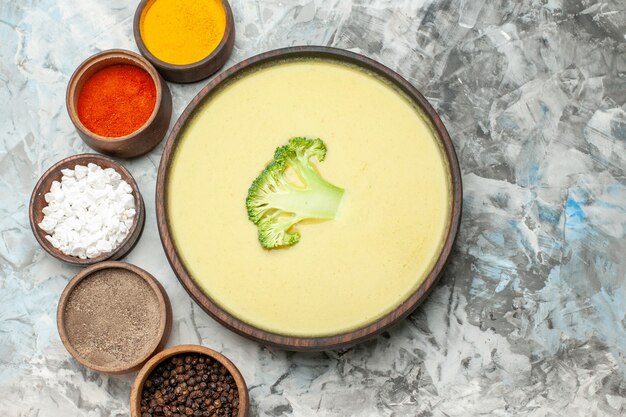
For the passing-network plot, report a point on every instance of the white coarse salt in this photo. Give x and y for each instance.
(89, 212)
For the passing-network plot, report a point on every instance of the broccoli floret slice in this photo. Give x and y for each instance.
(277, 201)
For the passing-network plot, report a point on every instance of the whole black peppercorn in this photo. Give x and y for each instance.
(190, 385)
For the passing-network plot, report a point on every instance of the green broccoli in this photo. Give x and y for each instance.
(277, 201)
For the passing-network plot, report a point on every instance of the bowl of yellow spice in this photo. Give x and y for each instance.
(185, 40)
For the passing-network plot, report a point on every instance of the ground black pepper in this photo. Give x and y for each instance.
(190, 385)
(105, 323)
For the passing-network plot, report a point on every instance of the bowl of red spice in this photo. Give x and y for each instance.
(119, 103)
(189, 380)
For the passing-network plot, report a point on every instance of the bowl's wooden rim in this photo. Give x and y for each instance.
(144, 373)
(165, 316)
(314, 343)
(55, 171)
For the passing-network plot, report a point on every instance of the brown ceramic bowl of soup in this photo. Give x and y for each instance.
(346, 279)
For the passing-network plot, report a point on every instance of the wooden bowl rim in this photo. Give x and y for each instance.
(295, 342)
(81, 70)
(133, 233)
(165, 315)
(213, 56)
(144, 373)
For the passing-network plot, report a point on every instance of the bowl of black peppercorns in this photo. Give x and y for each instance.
(189, 381)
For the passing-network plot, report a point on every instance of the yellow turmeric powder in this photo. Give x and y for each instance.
(182, 32)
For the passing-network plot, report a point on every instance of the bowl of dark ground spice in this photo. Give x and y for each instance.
(189, 380)
(113, 316)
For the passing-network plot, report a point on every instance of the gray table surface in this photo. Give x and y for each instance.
(529, 319)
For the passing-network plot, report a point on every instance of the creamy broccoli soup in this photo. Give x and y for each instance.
(343, 273)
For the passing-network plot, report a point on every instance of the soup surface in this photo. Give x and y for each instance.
(344, 273)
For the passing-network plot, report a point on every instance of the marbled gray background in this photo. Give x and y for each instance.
(529, 319)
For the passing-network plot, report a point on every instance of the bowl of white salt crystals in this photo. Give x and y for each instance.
(87, 209)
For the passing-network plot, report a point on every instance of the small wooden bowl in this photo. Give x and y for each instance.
(38, 202)
(143, 139)
(196, 71)
(135, 393)
(165, 316)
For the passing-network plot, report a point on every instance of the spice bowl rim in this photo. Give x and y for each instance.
(81, 71)
(165, 315)
(218, 55)
(156, 360)
(37, 201)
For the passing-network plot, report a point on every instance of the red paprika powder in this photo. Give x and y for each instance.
(117, 100)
